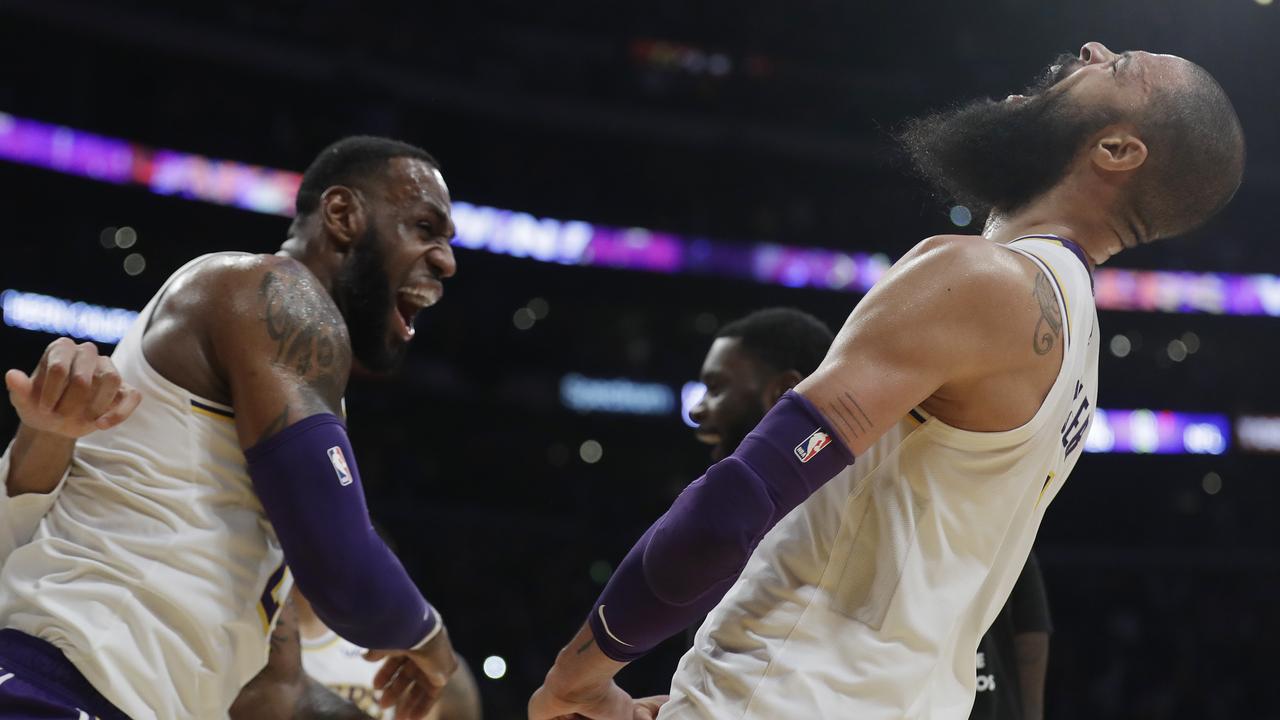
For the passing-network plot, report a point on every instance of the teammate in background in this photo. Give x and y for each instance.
(151, 586)
(753, 362)
(964, 383)
(340, 666)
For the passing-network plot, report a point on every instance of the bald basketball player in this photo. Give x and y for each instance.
(858, 542)
(150, 588)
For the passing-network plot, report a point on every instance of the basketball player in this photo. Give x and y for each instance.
(57, 402)
(752, 363)
(963, 384)
(340, 666)
(150, 587)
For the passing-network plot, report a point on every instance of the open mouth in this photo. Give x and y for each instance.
(412, 300)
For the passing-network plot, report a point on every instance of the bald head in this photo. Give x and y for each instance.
(1195, 156)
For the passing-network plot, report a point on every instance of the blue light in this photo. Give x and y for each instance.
(619, 395)
(690, 395)
(31, 311)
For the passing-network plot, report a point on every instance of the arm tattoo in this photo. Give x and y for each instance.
(848, 412)
(586, 646)
(276, 425)
(1049, 326)
(310, 340)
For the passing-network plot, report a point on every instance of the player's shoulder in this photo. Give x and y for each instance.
(968, 257)
(244, 285)
(241, 293)
(966, 271)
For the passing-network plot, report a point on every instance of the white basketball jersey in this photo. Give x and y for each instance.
(339, 665)
(156, 571)
(868, 601)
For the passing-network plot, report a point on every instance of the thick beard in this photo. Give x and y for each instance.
(365, 299)
(991, 155)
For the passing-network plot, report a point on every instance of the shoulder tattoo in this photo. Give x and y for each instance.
(308, 334)
(1049, 325)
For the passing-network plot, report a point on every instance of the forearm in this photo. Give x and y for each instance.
(307, 479)
(688, 560)
(581, 667)
(1032, 653)
(37, 461)
(31, 468)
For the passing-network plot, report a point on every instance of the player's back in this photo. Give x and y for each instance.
(156, 572)
(869, 600)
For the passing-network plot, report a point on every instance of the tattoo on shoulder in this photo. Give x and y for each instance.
(309, 335)
(1049, 325)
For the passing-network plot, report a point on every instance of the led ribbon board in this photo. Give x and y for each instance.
(574, 242)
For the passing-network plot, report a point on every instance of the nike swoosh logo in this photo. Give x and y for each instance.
(605, 624)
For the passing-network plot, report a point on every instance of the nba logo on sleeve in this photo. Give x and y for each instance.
(812, 445)
(340, 465)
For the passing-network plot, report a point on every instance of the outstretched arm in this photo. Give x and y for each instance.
(939, 319)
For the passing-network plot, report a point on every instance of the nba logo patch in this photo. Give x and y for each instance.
(812, 445)
(340, 465)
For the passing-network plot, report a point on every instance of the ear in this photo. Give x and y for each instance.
(1119, 150)
(778, 385)
(343, 214)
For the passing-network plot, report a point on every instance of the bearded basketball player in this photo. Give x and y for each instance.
(855, 546)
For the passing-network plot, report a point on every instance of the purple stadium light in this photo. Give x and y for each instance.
(571, 242)
(1158, 432)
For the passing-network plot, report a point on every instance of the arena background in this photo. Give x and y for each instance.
(741, 134)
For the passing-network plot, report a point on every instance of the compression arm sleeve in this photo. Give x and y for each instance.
(307, 480)
(692, 555)
(19, 515)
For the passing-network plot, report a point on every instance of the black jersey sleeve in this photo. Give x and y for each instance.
(1029, 600)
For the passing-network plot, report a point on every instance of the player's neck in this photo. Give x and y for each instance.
(1061, 212)
(305, 252)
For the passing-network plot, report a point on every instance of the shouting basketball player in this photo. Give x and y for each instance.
(150, 588)
(963, 384)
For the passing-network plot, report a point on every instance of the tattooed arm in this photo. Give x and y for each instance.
(282, 690)
(960, 326)
(281, 346)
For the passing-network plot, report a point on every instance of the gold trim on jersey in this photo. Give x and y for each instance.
(1045, 489)
(328, 643)
(216, 413)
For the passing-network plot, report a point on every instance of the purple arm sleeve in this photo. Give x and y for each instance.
(690, 558)
(307, 480)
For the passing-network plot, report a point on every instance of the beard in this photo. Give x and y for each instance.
(365, 299)
(1001, 155)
